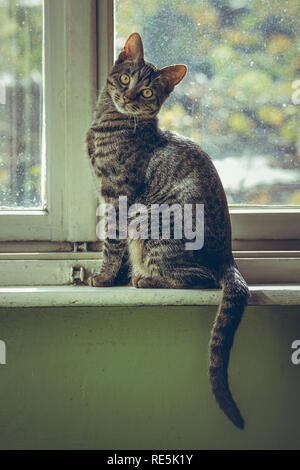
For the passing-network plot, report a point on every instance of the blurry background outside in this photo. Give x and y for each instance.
(237, 101)
(21, 107)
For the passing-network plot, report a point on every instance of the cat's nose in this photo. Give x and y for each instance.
(129, 96)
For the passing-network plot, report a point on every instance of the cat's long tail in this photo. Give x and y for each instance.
(235, 296)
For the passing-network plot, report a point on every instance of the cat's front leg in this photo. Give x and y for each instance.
(113, 254)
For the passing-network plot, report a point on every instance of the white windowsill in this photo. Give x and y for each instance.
(67, 296)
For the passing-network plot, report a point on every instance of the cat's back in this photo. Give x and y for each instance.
(177, 157)
(181, 172)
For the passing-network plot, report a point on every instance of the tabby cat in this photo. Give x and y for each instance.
(131, 156)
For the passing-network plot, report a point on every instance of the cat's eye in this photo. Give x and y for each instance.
(147, 93)
(124, 79)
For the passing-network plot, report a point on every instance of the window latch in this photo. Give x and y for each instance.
(77, 275)
(80, 247)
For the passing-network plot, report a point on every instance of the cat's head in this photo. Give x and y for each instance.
(137, 87)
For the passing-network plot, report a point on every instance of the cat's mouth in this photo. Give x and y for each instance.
(124, 108)
(121, 107)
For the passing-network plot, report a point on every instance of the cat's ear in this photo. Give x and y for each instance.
(173, 75)
(133, 49)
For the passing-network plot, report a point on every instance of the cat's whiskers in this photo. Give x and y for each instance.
(135, 119)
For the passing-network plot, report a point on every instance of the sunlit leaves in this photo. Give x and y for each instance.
(243, 56)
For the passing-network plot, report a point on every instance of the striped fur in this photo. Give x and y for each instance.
(130, 156)
(235, 296)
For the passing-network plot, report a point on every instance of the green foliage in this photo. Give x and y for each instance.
(243, 57)
(21, 39)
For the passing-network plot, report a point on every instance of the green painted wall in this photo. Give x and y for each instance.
(136, 378)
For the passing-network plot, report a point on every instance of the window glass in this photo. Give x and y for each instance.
(21, 103)
(241, 98)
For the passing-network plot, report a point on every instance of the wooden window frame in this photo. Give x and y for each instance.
(70, 89)
(79, 52)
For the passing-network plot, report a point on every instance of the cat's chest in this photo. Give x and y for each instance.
(119, 170)
(120, 154)
(113, 161)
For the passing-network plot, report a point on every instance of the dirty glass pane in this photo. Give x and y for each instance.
(21, 107)
(241, 98)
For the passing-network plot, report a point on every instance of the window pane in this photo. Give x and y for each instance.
(241, 97)
(21, 107)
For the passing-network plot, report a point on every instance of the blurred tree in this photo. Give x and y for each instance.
(21, 39)
(242, 56)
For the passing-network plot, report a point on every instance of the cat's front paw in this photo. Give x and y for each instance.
(145, 282)
(136, 280)
(100, 280)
